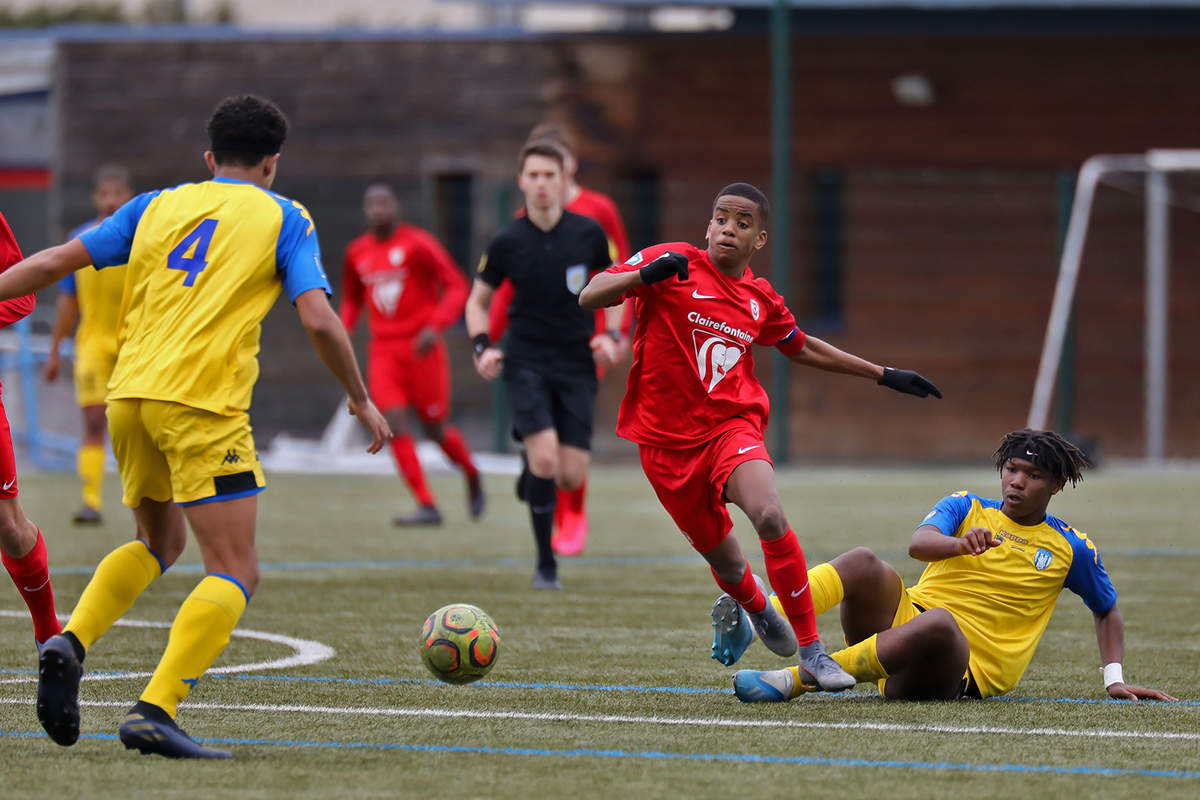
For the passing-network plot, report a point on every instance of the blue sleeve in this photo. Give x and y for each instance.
(949, 513)
(1087, 576)
(67, 285)
(109, 242)
(297, 254)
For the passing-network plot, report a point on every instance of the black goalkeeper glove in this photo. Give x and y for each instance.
(665, 266)
(909, 382)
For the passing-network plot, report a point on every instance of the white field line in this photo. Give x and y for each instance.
(304, 652)
(451, 713)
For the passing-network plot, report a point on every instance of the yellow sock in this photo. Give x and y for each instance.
(198, 635)
(862, 660)
(118, 580)
(90, 463)
(826, 587)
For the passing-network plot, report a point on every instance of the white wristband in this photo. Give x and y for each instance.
(1112, 674)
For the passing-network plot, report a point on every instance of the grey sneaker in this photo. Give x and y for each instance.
(772, 627)
(542, 580)
(817, 668)
(425, 515)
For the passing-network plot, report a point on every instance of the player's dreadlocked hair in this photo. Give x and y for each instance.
(1045, 449)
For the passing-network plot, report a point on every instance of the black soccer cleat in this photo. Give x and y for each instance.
(476, 497)
(87, 516)
(151, 731)
(59, 673)
(425, 515)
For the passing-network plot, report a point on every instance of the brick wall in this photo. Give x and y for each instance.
(950, 228)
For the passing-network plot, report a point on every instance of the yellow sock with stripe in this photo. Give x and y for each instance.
(200, 632)
(90, 463)
(860, 660)
(826, 587)
(118, 580)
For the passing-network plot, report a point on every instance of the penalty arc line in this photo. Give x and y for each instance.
(453, 713)
(305, 652)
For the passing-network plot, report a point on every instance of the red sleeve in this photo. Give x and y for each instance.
(636, 262)
(352, 293)
(779, 330)
(452, 281)
(498, 310)
(10, 253)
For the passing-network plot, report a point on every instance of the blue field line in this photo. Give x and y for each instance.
(650, 560)
(660, 755)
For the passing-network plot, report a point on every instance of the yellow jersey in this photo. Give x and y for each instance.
(98, 293)
(1003, 599)
(206, 263)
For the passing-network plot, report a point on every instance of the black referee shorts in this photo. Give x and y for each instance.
(563, 401)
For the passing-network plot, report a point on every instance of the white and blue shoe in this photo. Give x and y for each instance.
(732, 630)
(759, 686)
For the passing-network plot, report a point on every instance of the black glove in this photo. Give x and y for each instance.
(668, 264)
(909, 382)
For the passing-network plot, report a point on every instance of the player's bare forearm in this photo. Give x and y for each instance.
(930, 544)
(66, 311)
(606, 288)
(820, 354)
(329, 339)
(42, 269)
(476, 311)
(1110, 635)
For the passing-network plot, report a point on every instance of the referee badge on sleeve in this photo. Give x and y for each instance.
(576, 278)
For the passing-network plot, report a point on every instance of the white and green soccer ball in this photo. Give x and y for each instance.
(459, 643)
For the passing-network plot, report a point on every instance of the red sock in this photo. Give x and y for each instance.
(32, 577)
(745, 592)
(410, 467)
(455, 448)
(573, 500)
(788, 575)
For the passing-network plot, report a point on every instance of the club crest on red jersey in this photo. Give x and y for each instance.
(754, 308)
(715, 356)
(396, 256)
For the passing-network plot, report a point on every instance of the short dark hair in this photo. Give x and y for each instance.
(540, 147)
(245, 129)
(553, 132)
(1045, 449)
(751, 193)
(112, 172)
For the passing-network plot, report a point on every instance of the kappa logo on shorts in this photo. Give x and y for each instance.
(231, 457)
(715, 356)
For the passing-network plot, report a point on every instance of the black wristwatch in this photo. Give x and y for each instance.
(480, 342)
(615, 335)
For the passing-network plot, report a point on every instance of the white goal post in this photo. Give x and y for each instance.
(1155, 166)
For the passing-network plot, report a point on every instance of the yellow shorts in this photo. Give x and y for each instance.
(907, 611)
(171, 451)
(92, 371)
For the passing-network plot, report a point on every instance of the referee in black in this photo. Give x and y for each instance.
(552, 348)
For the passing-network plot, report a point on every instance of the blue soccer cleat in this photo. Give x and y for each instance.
(151, 731)
(732, 631)
(757, 686)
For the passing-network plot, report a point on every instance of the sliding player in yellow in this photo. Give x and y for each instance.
(970, 625)
(206, 262)
(94, 298)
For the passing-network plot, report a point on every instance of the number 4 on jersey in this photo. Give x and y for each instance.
(193, 265)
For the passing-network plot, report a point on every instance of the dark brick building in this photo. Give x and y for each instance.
(923, 236)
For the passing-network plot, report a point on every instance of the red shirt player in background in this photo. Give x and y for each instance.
(22, 548)
(698, 414)
(570, 519)
(413, 291)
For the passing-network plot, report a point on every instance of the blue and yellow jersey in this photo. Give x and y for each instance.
(99, 295)
(1003, 599)
(206, 263)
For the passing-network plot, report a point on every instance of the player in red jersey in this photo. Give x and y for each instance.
(22, 549)
(413, 291)
(570, 519)
(697, 413)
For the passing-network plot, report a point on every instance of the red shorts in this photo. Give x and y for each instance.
(690, 482)
(8, 462)
(398, 378)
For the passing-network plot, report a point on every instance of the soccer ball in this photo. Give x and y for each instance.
(459, 643)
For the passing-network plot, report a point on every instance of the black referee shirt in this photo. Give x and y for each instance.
(548, 270)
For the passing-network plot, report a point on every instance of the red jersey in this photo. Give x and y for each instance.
(692, 377)
(409, 279)
(10, 253)
(587, 203)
